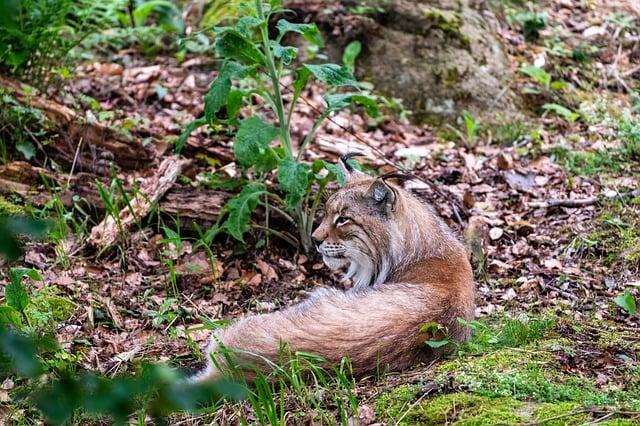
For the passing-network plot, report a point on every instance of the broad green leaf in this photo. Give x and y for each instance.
(537, 73)
(27, 149)
(20, 353)
(627, 302)
(332, 74)
(10, 316)
(234, 103)
(168, 14)
(15, 292)
(286, 53)
(193, 125)
(562, 111)
(233, 45)
(302, 78)
(338, 101)
(251, 144)
(310, 32)
(350, 54)
(337, 172)
(9, 14)
(294, 180)
(246, 24)
(240, 208)
(217, 95)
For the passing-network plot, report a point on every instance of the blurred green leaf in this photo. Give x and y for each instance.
(562, 111)
(350, 54)
(15, 291)
(168, 14)
(10, 316)
(627, 302)
(538, 74)
(11, 227)
(18, 353)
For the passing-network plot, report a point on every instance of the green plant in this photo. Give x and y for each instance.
(157, 390)
(297, 386)
(11, 227)
(261, 62)
(543, 78)
(36, 36)
(21, 128)
(629, 134)
(531, 23)
(17, 298)
(627, 302)
(562, 111)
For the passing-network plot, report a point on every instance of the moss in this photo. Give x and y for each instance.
(531, 373)
(562, 411)
(458, 409)
(617, 237)
(9, 209)
(447, 21)
(620, 422)
(46, 309)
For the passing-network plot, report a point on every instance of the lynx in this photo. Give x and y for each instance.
(407, 269)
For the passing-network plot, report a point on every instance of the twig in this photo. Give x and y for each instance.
(75, 159)
(382, 156)
(583, 202)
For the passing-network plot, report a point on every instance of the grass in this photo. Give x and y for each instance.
(511, 373)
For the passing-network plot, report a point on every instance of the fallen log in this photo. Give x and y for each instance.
(190, 204)
(126, 153)
(151, 190)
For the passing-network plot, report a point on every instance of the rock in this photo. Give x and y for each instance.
(440, 56)
(495, 233)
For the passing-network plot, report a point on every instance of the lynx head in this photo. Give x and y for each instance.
(371, 227)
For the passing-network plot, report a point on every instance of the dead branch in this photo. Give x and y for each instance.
(151, 190)
(583, 202)
(128, 154)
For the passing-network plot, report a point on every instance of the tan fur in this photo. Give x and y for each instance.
(407, 267)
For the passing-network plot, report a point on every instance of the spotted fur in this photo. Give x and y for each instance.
(407, 270)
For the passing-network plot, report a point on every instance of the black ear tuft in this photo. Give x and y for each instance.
(396, 175)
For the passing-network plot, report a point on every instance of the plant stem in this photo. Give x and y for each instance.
(314, 207)
(275, 81)
(278, 234)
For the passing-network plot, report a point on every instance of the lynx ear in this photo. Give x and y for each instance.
(349, 172)
(382, 195)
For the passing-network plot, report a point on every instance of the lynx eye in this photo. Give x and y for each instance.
(341, 220)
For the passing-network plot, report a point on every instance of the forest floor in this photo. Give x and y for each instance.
(552, 346)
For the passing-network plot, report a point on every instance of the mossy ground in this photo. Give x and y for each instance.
(617, 237)
(533, 382)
